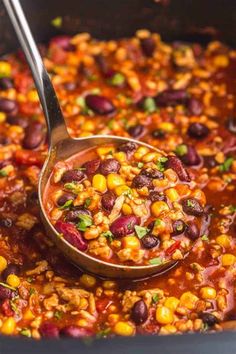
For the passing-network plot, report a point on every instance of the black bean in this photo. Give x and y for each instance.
(100, 104)
(17, 120)
(198, 131)
(136, 130)
(65, 197)
(108, 200)
(209, 318)
(8, 106)
(109, 166)
(231, 125)
(148, 46)
(11, 269)
(128, 147)
(175, 164)
(156, 196)
(73, 176)
(158, 134)
(139, 312)
(171, 98)
(150, 241)
(152, 173)
(192, 207)
(124, 225)
(5, 83)
(194, 106)
(91, 166)
(178, 227)
(192, 231)
(34, 136)
(141, 181)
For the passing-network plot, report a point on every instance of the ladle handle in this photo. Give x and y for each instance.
(51, 107)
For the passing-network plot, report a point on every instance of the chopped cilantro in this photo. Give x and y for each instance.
(103, 333)
(73, 187)
(190, 203)
(110, 124)
(181, 150)
(149, 105)
(141, 231)
(226, 165)
(117, 80)
(29, 280)
(25, 332)
(92, 77)
(205, 238)
(7, 286)
(84, 222)
(155, 298)
(129, 226)
(232, 208)
(161, 163)
(32, 291)
(157, 222)
(125, 122)
(3, 173)
(67, 205)
(87, 202)
(155, 261)
(108, 234)
(140, 165)
(57, 22)
(58, 315)
(14, 306)
(80, 101)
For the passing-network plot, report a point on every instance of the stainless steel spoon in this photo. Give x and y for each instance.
(61, 147)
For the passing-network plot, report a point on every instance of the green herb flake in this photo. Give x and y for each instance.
(84, 223)
(57, 22)
(92, 78)
(225, 167)
(181, 150)
(14, 306)
(67, 205)
(3, 173)
(103, 333)
(58, 315)
(155, 298)
(157, 222)
(87, 202)
(140, 165)
(80, 101)
(25, 332)
(117, 80)
(73, 187)
(232, 208)
(161, 163)
(205, 238)
(7, 286)
(141, 231)
(149, 105)
(156, 261)
(32, 291)
(190, 203)
(108, 234)
(110, 124)
(29, 280)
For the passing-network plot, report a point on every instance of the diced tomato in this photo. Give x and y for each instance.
(173, 248)
(23, 81)
(28, 157)
(29, 108)
(6, 308)
(103, 304)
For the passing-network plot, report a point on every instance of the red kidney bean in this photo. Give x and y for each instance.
(102, 63)
(71, 234)
(49, 330)
(75, 332)
(8, 106)
(150, 241)
(198, 131)
(17, 120)
(231, 125)
(194, 106)
(208, 318)
(152, 173)
(156, 196)
(11, 269)
(73, 176)
(158, 134)
(5, 83)
(148, 46)
(91, 166)
(108, 200)
(178, 227)
(5, 293)
(124, 225)
(175, 164)
(141, 181)
(34, 136)
(73, 215)
(100, 104)
(65, 198)
(171, 98)
(192, 207)
(192, 231)
(136, 130)
(63, 42)
(109, 166)
(139, 312)
(191, 158)
(128, 147)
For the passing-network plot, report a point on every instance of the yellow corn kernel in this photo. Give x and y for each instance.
(83, 304)
(200, 196)
(131, 242)
(221, 61)
(172, 303)
(228, 259)
(33, 96)
(188, 300)
(5, 68)
(150, 156)
(109, 284)
(91, 233)
(208, 293)
(164, 315)
(83, 134)
(223, 240)
(120, 156)
(2, 117)
(87, 280)
(28, 315)
(82, 323)
(113, 318)
(122, 328)
(159, 207)
(8, 326)
(172, 194)
(140, 152)
(122, 189)
(13, 280)
(170, 328)
(105, 150)
(167, 126)
(114, 180)
(88, 125)
(126, 209)
(99, 183)
(3, 263)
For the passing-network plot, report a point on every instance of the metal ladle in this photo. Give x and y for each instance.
(61, 147)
